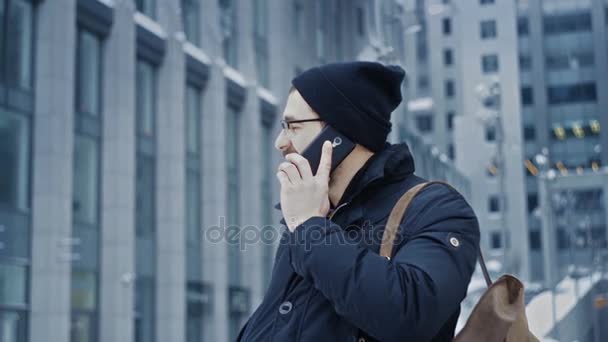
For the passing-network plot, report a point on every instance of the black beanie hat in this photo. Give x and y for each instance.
(355, 98)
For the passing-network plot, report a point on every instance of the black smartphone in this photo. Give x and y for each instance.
(342, 146)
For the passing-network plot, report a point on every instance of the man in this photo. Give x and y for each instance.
(328, 282)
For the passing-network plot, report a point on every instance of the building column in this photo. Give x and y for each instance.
(52, 171)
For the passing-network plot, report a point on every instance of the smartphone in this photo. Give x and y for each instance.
(342, 146)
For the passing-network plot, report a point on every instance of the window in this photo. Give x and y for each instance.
(494, 204)
(191, 20)
(523, 26)
(532, 202)
(16, 43)
(488, 29)
(489, 64)
(193, 119)
(574, 93)
(571, 61)
(360, 22)
(423, 82)
(424, 123)
(195, 306)
(490, 133)
(495, 240)
(448, 58)
(85, 194)
(525, 62)
(13, 325)
(535, 240)
(446, 24)
(13, 290)
(261, 41)
(527, 97)
(88, 73)
(449, 88)
(233, 153)
(450, 120)
(14, 153)
(569, 22)
(144, 195)
(486, 2)
(145, 98)
(193, 207)
(144, 309)
(147, 7)
(529, 133)
(228, 22)
(451, 152)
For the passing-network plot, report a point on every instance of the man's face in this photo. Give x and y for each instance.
(299, 135)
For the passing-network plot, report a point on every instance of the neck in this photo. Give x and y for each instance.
(345, 171)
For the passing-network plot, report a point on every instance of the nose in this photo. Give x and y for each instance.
(282, 143)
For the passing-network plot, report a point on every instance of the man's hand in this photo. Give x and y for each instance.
(303, 195)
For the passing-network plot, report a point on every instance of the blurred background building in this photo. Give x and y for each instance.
(133, 131)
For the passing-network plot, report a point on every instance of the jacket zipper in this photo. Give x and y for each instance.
(336, 210)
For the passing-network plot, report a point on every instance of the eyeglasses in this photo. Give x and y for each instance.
(285, 123)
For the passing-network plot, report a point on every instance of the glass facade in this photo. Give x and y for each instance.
(14, 153)
(228, 23)
(145, 205)
(191, 20)
(16, 43)
(147, 7)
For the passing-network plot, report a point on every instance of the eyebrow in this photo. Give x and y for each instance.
(288, 117)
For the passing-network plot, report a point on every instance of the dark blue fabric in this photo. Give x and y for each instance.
(341, 289)
(356, 98)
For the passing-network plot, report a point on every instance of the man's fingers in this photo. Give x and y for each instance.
(283, 179)
(325, 163)
(291, 171)
(301, 163)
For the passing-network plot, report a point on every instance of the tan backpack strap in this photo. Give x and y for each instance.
(395, 218)
(394, 221)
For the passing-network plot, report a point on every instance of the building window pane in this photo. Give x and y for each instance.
(191, 21)
(532, 202)
(449, 88)
(451, 151)
(486, 2)
(13, 285)
(574, 93)
(446, 24)
(527, 97)
(448, 58)
(360, 21)
(144, 310)
(14, 154)
(193, 119)
(145, 98)
(193, 207)
(88, 74)
(488, 29)
(424, 123)
(525, 62)
(2, 47)
(84, 290)
(144, 193)
(228, 25)
(529, 133)
(535, 240)
(82, 328)
(85, 182)
(320, 30)
(450, 121)
(147, 7)
(490, 133)
(19, 43)
(489, 64)
(570, 22)
(233, 196)
(12, 326)
(297, 19)
(494, 204)
(523, 27)
(495, 240)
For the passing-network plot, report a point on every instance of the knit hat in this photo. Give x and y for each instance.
(356, 98)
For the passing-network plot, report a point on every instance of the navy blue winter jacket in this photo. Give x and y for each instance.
(329, 283)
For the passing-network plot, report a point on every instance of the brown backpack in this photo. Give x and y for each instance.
(499, 315)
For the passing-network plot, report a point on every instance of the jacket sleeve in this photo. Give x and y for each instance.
(410, 296)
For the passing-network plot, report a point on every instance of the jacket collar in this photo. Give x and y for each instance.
(392, 163)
